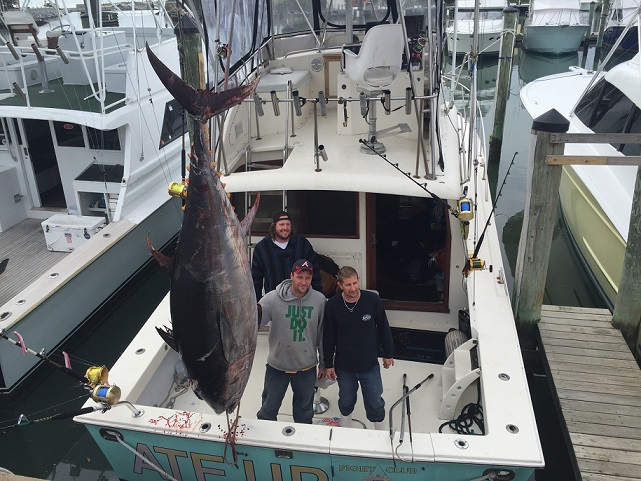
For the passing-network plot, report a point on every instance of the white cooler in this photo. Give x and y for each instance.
(65, 233)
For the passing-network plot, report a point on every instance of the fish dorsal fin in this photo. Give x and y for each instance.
(246, 223)
(162, 260)
(167, 335)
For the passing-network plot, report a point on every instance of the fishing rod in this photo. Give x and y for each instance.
(94, 377)
(423, 186)
(43, 356)
(489, 217)
(409, 421)
(24, 421)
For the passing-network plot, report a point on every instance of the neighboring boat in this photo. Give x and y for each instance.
(596, 199)
(490, 26)
(534, 65)
(622, 12)
(555, 26)
(390, 218)
(89, 140)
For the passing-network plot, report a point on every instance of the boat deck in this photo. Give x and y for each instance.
(425, 402)
(25, 247)
(598, 385)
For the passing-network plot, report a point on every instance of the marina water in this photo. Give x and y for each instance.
(62, 450)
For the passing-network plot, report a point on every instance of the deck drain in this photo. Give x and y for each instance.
(21, 302)
(204, 427)
(53, 275)
(106, 236)
(504, 377)
(461, 443)
(140, 351)
(289, 430)
(5, 315)
(511, 428)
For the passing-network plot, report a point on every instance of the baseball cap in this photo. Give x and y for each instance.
(302, 265)
(282, 215)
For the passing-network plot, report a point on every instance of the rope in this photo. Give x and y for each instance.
(147, 461)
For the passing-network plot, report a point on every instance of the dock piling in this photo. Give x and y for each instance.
(539, 219)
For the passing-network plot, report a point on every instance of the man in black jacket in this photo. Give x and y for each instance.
(275, 254)
(355, 326)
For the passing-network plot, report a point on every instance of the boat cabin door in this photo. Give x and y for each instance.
(34, 147)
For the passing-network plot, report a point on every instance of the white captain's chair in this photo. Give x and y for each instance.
(374, 67)
(378, 61)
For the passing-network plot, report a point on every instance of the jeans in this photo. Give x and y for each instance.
(276, 382)
(372, 386)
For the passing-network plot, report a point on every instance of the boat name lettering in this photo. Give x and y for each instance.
(200, 470)
(371, 469)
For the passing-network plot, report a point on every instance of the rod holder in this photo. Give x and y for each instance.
(297, 103)
(62, 54)
(258, 104)
(275, 103)
(322, 152)
(322, 102)
(363, 100)
(408, 100)
(387, 102)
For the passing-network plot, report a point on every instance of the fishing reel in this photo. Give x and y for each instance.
(109, 395)
(473, 264)
(97, 375)
(222, 50)
(178, 189)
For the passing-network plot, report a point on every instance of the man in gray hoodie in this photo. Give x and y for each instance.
(296, 313)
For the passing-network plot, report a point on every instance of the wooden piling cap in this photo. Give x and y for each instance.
(551, 121)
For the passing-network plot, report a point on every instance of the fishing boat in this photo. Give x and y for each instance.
(88, 141)
(555, 26)
(403, 198)
(596, 200)
(622, 13)
(460, 29)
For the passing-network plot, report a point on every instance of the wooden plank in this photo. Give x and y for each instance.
(587, 352)
(547, 308)
(611, 389)
(546, 334)
(600, 408)
(628, 364)
(594, 331)
(599, 381)
(606, 442)
(624, 432)
(602, 321)
(592, 160)
(633, 376)
(597, 345)
(595, 138)
(605, 477)
(605, 467)
(600, 397)
(608, 455)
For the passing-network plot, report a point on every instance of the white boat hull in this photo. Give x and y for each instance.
(554, 39)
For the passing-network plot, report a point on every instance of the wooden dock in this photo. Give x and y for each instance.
(598, 384)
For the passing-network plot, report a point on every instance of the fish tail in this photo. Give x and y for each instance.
(201, 104)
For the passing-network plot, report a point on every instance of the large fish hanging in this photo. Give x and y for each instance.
(212, 299)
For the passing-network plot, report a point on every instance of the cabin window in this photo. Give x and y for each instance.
(314, 213)
(68, 134)
(605, 109)
(103, 139)
(172, 124)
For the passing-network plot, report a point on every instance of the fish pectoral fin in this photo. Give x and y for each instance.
(246, 223)
(167, 335)
(228, 340)
(162, 260)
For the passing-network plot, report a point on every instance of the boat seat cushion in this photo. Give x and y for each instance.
(277, 78)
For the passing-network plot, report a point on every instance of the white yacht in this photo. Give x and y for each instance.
(90, 138)
(622, 13)
(342, 140)
(597, 199)
(490, 26)
(555, 26)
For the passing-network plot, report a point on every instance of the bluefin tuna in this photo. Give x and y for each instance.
(213, 304)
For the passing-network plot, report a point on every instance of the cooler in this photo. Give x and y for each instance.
(65, 233)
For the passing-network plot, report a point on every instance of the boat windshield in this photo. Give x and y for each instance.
(605, 109)
(483, 15)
